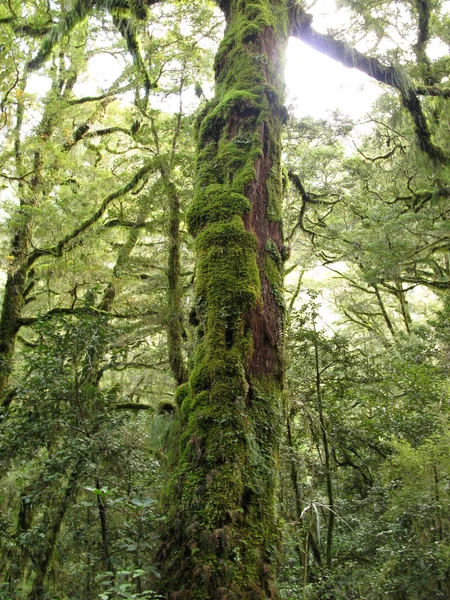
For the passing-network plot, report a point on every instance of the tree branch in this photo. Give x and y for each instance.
(78, 13)
(128, 224)
(132, 406)
(107, 94)
(394, 77)
(32, 30)
(62, 244)
(62, 310)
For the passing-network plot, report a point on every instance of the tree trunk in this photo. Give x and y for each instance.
(220, 538)
(326, 452)
(174, 291)
(18, 284)
(43, 560)
(13, 303)
(13, 298)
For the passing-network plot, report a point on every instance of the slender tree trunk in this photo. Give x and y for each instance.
(326, 451)
(174, 293)
(102, 513)
(17, 284)
(387, 320)
(404, 306)
(13, 303)
(43, 560)
(310, 541)
(16, 277)
(220, 538)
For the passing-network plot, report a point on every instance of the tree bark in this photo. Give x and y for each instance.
(174, 293)
(13, 303)
(16, 277)
(220, 538)
(43, 560)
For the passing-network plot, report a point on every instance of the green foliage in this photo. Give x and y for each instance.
(96, 191)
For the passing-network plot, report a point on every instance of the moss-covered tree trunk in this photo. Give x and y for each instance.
(221, 535)
(13, 302)
(174, 289)
(16, 279)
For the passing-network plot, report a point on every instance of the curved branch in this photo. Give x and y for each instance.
(35, 31)
(91, 310)
(305, 199)
(394, 77)
(78, 13)
(107, 94)
(128, 32)
(58, 249)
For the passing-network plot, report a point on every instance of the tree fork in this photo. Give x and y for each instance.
(220, 538)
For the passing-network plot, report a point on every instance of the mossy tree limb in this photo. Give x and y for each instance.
(220, 538)
(11, 319)
(396, 77)
(79, 11)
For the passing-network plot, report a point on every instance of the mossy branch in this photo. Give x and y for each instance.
(423, 33)
(394, 77)
(80, 10)
(58, 249)
(436, 91)
(82, 133)
(33, 30)
(78, 13)
(107, 94)
(128, 31)
(62, 310)
(306, 199)
(132, 406)
(127, 224)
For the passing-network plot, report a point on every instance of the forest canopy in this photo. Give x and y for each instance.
(224, 334)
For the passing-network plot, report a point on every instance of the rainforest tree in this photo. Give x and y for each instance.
(220, 533)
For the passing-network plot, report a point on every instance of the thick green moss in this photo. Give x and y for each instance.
(273, 251)
(222, 507)
(239, 102)
(216, 203)
(226, 233)
(206, 157)
(181, 393)
(274, 277)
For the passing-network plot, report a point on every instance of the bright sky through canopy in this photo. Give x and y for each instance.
(318, 84)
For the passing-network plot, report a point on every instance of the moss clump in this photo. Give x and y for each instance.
(231, 157)
(272, 250)
(200, 377)
(239, 102)
(206, 157)
(181, 393)
(258, 17)
(216, 203)
(228, 277)
(165, 408)
(228, 233)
